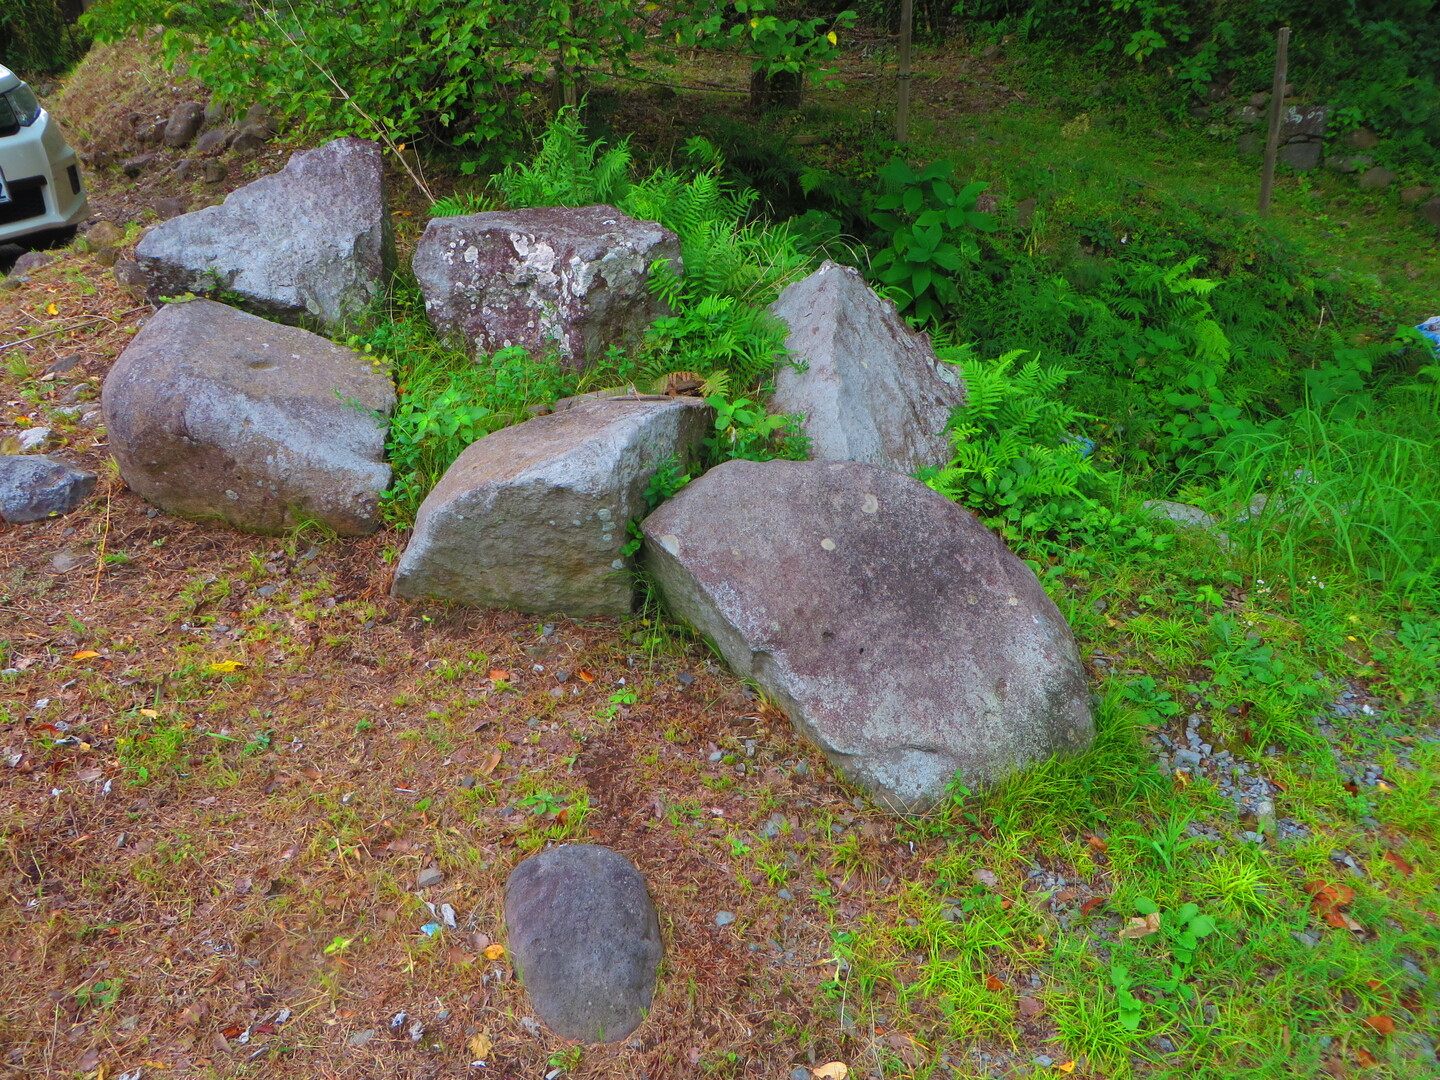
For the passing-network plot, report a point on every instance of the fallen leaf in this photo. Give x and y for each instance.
(585, 676)
(1182, 778)
(1090, 905)
(1139, 928)
(225, 666)
(1381, 1025)
(480, 1047)
(992, 983)
(85, 654)
(1030, 1007)
(1066, 1067)
(1365, 1058)
(1005, 904)
(151, 713)
(1097, 845)
(51, 309)
(494, 951)
(987, 878)
(1399, 864)
(490, 764)
(1328, 900)
(833, 1070)
(499, 676)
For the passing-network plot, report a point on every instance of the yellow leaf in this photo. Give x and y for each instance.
(1066, 1067)
(400, 149)
(151, 713)
(494, 951)
(85, 654)
(830, 37)
(51, 309)
(225, 666)
(490, 764)
(753, 24)
(834, 1070)
(480, 1047)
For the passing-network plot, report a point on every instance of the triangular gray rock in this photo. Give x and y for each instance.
(870, 388)
(311, 240)
(902, 638)
(213, 413)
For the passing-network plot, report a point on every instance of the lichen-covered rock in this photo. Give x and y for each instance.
(534, 516)
(870, 388)
(311, 240)
(34, 487)
(902, 638)
(572, 281)
(585, 940)
(213, 413)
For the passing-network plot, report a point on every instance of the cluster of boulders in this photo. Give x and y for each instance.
(903, 638)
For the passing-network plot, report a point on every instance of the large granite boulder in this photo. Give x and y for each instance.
(213, 413)
(585, 940)
(34, 487)
(870, 388)
(903, 639)
(313, 239)
(534, 516)
(569, 280)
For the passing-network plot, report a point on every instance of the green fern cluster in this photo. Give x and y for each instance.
(1019, 462)
(568, 170)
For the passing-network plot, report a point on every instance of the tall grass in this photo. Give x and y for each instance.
(1356, 495)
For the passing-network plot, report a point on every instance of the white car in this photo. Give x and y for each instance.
(40, 187)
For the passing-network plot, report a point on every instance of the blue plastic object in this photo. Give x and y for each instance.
(1430, 328)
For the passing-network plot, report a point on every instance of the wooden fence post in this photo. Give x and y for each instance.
(902, 102)
(1277, 110)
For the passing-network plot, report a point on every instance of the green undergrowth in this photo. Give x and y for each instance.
(1185, 938)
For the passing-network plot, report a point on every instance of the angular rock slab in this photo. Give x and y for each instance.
(585, 939)
(570, 280)
(871, 389)
(213, 413)
(533, 517)
(903, 639)
(34, 487)
(313, 239)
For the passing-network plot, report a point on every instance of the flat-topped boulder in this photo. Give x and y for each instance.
(312, 240)
(585, 939)
(572, 281)
(900, 635)
(870, 388)
(533, 517)
(214, 413)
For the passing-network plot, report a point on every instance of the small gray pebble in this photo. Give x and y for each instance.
(785, 894)
(724, 918)
(686, 679)
(802, 769)
(1044, 1060)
